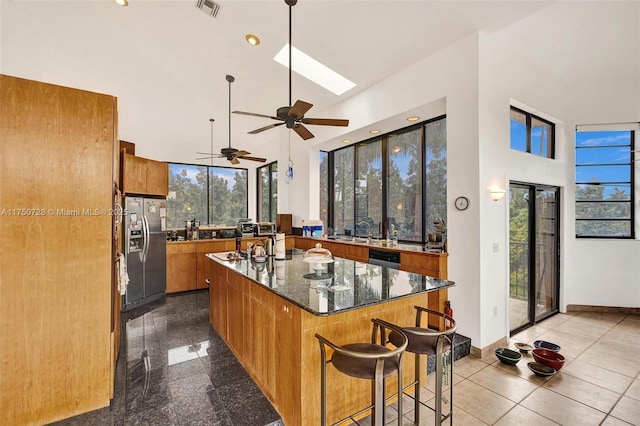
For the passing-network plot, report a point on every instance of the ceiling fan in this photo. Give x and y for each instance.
(232, 154)
(293, 115)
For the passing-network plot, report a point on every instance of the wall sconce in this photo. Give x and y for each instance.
(497, 194)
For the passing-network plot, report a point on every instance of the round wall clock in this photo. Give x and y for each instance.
(462, 203)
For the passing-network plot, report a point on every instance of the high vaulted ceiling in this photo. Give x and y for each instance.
(166, 61)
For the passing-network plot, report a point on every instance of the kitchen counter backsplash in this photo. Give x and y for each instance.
(203, 234)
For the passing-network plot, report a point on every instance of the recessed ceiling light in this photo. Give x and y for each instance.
(346, 140)
(122, 2)
(413, 118)
(315, 71)
(252, 39)
(374, 131)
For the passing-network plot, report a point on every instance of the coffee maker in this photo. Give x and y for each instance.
(193, 229)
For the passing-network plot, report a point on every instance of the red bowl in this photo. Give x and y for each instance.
(549, 358)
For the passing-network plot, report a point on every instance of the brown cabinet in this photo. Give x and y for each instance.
(144, 176)
(181, 267)
(218, 298)
(56, 292)
(235, 315)
(203, 263)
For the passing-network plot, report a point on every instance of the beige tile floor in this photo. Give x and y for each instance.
(598, 385)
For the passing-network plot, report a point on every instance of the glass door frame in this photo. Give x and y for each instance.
(532, 253)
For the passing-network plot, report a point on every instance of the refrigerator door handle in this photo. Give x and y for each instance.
(145, 247)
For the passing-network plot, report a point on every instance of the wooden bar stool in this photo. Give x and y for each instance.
(373, 361)
(426, 341)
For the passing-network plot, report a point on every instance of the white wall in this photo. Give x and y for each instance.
(552, 63)
(572, 73)
(451, 74)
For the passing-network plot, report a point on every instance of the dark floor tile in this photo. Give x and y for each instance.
(253, 413)
(186, 369)
(163, 415)
(238, 393)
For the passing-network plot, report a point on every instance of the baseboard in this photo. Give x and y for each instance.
(488, 350)
(604, 309)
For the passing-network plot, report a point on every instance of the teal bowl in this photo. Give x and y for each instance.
(508, 356)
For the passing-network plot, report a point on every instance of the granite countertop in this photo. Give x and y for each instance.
(340, 286)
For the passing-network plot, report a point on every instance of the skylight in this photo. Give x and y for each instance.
(313, 70)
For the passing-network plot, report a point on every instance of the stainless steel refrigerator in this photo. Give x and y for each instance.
(145, 250)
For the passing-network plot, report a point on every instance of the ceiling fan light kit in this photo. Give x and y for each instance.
(293, 115)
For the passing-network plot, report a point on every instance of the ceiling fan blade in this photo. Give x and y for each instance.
(303, 132)
(241, 153)
(234, 160)
(262, 129)
(326, 121)
(299, 109)
(206, 158)
(253, 114)
(244, 157)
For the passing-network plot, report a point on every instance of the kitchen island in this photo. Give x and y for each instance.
(268, 313)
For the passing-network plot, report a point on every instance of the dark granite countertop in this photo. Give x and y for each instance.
(341, 286)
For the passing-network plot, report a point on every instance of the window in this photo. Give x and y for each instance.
(324, 187)
(532, 134)
(389, 180)
(343, 181)
(216, 196)
(604, 183)
(404, 184)
(368, 188)
(268, 192)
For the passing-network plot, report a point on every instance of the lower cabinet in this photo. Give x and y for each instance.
(218, 298)
(181, 267)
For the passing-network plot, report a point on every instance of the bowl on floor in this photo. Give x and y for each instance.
(525, 348)
(543, 344)
(541, 369)
(508, 356)
(550, 358)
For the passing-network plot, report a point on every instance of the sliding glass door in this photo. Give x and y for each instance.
(533, 253)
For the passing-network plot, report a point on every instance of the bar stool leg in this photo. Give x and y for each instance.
(439, 382)
(416, 391)
(378, 401)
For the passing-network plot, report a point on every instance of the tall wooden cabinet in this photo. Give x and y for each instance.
(56, 198)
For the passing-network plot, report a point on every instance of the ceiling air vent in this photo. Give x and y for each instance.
(209, 7)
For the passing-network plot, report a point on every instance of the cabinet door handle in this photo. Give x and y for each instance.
(119, 215)
(208, 281)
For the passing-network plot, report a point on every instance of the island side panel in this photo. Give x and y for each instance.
(347, 395)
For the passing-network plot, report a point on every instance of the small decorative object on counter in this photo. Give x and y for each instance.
(280, 247)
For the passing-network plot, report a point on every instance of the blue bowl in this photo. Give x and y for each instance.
(508, 356)
(542, 344)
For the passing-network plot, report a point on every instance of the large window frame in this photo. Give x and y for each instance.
(533, 124)
(267, 209)
(604, 182)
(205, 203)
(349, 160)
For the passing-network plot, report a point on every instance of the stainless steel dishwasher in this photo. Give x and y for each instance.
(386, 258)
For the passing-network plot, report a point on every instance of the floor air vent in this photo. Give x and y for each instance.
(209, 7)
